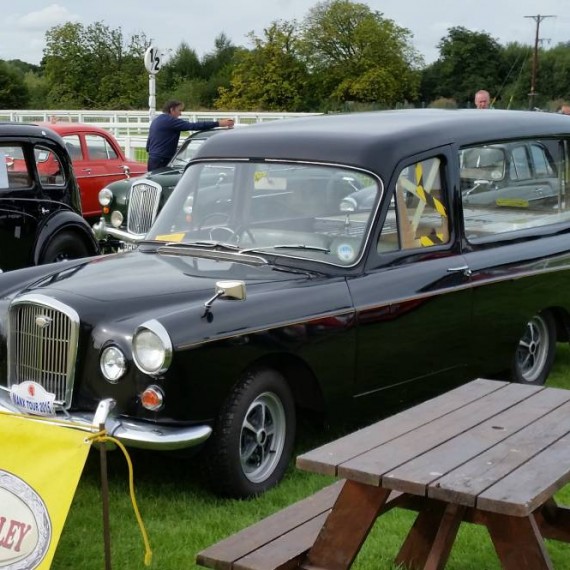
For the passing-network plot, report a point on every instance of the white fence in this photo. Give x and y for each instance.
(130, 128)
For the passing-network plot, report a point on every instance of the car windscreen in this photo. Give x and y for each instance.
(274, 208)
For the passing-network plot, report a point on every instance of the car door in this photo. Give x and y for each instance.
(21, 205)
(414, 303)
(517, 252)
(97, 161)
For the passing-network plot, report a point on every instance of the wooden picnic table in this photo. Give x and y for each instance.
(488, 452)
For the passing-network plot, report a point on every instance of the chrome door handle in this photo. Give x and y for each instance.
(461, 269)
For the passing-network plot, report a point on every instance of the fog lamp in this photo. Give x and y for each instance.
(116, 219)
(113, 364)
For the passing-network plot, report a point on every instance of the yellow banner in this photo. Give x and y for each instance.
(40, 467)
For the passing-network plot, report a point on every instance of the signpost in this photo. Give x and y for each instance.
(152, 63)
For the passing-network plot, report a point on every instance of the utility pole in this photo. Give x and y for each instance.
(538, 18)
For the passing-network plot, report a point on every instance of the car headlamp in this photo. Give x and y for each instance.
(152, 348)
(105, 196)
(113, 364)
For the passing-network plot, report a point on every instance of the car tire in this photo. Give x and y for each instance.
(535, 352)
(64, 245)
(252, 442)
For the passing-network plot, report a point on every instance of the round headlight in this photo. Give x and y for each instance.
(105, 196)
(116, 219)
(152, 349)
(348, 204)
(188, 205)
(113, 364)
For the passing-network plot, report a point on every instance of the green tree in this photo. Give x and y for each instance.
(355, 54)
(468, 61)
(270, 77)
(94, 67)
(13, 90)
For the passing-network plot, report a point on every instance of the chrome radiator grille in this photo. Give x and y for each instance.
(42, 345)
(143, 206)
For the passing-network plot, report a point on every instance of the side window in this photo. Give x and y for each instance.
(542, 166)
(73, 146)
(418, 214)
(99, 149)
(49, 167)
(520, 164)
(14, 171)
(532, 193)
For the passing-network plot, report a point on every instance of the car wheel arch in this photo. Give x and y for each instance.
(77, 229)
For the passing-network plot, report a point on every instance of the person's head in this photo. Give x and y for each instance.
(482, 99)
(173, 107)
(565, 109)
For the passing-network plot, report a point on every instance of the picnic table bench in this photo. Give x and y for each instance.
(488, 452)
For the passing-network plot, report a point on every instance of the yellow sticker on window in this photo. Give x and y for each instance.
(512, 202)
(171, 237)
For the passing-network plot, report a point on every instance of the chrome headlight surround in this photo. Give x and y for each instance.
(152, 348)
(105, 196)
(113, 363)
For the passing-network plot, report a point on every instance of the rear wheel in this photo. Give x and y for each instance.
(536, 350)
(252, 442)
(64, 245)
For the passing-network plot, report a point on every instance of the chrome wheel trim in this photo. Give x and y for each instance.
(532, 351)
(262, 437)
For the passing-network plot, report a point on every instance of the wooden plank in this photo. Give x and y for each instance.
(414, 476)
(285, 552)
(533, 483)
(223, 554)
(328, 457)
(370, 467)
(475, 478)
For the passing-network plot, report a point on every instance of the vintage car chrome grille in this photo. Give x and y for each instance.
(42, 345)
(144, 198)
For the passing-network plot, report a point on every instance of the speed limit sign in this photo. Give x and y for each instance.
(152, 59)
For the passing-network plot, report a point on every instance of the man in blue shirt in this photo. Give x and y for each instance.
(165, 129)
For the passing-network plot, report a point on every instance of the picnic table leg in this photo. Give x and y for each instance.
(346, 526)
(554, 521)
(431, 537)
(518, 542)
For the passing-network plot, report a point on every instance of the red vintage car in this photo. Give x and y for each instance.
(97, 161)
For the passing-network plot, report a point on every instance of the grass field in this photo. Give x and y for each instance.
(182, 518)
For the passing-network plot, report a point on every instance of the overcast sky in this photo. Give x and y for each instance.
(198, 23)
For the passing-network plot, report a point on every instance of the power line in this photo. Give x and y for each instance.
(538, 18)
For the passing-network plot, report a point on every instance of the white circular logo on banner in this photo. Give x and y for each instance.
(25, 526)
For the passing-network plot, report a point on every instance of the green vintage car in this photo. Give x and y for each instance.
(129, 207)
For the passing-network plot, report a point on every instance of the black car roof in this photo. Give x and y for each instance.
(359, 139)
(27, 130)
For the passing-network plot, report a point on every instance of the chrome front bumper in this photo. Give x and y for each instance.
(130, 432)
(102, 230)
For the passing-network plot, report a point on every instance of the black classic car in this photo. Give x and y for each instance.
(129, 207)
(40, 207)
(268, 294)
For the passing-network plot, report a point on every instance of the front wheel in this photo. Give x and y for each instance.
(536, 350)
(64, 245)
(253, 439)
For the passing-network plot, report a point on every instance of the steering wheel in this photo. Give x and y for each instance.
(224, 217)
